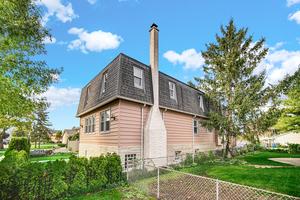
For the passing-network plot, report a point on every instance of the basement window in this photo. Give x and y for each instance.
(129, 160)
(104, 82)
(138, 77)
(172, 88)
(89, 126)
(105, 120)
(177, 155)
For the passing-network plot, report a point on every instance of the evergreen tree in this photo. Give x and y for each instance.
(236, 93)
(41, 125)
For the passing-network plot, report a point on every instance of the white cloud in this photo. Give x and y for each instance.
(96, 41)
(63, 13)
(92, 1)
(279, 63)
(48, 40)
(190, 58)
(58, 97)
(295, 16)
(292, 2)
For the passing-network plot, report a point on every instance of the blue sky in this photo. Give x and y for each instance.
(88, 34)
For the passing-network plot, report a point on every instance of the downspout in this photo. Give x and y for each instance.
(142, 135)
(193, 137)
(163, 118)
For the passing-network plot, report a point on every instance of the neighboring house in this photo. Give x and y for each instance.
(52, 136)
(69, 132)
(282, 139)
(140, 113)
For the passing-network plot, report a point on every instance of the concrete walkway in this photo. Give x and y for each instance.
(291, 161)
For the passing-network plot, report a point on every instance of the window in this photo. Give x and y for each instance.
(195, 126)
(88, 93)
(129, 160)
(177, 155)
(104, 82)
(89, 125)
(172, 89)
(138, 77)
(105, 120)
(201, 105)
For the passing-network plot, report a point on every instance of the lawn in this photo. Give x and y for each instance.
(282, 180)
(261, 158)
(2, 151)
(51, 157)
(44, 146)
(115, 194)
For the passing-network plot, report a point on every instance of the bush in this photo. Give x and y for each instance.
(61, 145)
(293, 148)
(21, 179)
(18, 144)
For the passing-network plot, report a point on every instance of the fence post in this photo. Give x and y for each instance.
(157, 182)
(127, 175)
(217, 189)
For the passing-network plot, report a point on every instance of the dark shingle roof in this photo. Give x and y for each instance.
(120, 85)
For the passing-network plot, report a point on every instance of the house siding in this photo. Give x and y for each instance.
(98, 142)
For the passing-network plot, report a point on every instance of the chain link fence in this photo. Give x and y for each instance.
(170, 184)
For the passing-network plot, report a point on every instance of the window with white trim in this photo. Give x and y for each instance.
(104, 82)
(177, 155)
(195, 126)
(201, 103)
(129, 160)
(172, 88)
(105, 120)
(138, 77)
(88, 93)
(89, 125)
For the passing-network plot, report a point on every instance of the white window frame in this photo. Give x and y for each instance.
(177, 155)
(89, 124)
(106, 119)
(88, 93)
(201, 103)
(104, 82)
(138, 73)
(195, 126)
(172, 89)
(129, 160)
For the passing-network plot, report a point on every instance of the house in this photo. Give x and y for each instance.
(69, 132)
(140, 113)
(280, 139)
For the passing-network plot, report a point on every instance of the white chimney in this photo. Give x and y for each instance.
(155, 140)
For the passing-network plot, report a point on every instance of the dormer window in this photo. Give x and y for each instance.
(201, 104)
(88, 93)
(104, 82)
(172, 88)
(138, 77)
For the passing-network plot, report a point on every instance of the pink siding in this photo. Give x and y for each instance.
(130, 123)
(111, 137)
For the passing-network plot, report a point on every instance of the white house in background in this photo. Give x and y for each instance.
(282, 139)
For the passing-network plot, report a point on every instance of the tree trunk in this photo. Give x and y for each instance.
(1, 140)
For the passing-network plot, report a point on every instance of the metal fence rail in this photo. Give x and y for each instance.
(165, 183)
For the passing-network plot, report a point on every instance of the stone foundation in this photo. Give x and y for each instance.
(94, 150)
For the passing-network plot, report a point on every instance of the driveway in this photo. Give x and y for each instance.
(291, 161)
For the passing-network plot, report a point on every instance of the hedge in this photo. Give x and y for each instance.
(19, 144)
(21, 179)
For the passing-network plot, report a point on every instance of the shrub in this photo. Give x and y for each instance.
(61, 145)
(21, 179)
(18, 144)
(293, 148)
(188, 160)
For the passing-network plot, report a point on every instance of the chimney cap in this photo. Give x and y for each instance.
(153, 26)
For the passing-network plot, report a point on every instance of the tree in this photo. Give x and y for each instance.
(41, 125)
(23, 75)
(58, 135)
(236, 94)
(290, 117)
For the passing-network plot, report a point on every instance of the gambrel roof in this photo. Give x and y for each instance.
(120, 85)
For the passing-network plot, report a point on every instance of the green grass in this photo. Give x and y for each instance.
(2, 151)
(51, 157)
(261, 158)
(114, 194)
(44, 146)
(282, 180)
